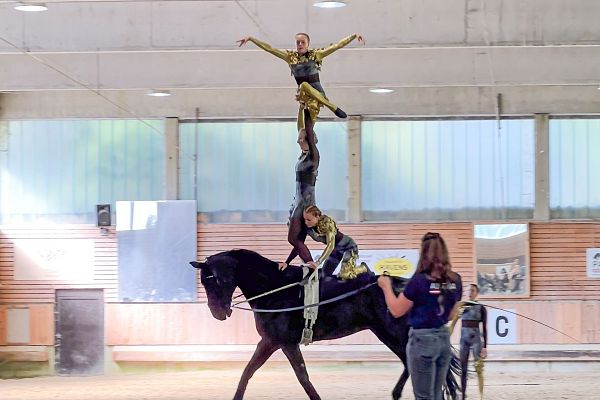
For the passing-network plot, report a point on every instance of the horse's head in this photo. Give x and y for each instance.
(217, 274)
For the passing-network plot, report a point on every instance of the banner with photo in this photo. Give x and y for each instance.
(401, 262)
(593, 263)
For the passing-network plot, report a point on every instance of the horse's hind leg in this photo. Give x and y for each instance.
(293, 354)
(264, 350)
(397, 391)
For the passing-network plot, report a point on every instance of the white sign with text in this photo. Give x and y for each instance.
(54, 260)
(593, 263)
(501, 326)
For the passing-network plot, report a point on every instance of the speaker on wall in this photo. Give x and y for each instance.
(103, 214)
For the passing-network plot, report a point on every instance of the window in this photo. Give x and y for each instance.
(57, 171)
(574, 168)
(244, 172)
(447, 169)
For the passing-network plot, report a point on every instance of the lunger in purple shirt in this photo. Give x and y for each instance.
(430, 298)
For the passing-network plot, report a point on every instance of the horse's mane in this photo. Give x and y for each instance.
(244, 254)
(258, 273)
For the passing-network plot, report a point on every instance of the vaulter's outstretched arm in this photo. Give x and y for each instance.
(322, 53)
(266, 47)
(330, 232)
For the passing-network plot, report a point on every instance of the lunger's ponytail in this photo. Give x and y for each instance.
(435, 262)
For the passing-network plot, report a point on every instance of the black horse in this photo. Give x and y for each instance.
(254, 275)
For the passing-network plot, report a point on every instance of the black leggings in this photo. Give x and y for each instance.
(297, 228)
(296, 237)
(470, 341)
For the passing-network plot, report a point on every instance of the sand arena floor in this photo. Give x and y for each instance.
(335, 381)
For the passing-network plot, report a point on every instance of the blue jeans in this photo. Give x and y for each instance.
(428, 352)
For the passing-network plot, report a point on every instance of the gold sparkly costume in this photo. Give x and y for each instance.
(305, 69)
(338, 247)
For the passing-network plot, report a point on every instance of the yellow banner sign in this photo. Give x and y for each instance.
(394, 266)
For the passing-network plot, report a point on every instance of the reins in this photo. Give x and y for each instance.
(234, 305)
(278, 310)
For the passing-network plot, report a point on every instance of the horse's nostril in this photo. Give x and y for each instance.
(229, 312)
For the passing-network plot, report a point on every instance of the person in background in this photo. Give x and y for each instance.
(472, 339)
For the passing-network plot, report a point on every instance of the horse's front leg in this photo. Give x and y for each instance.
(293, 354)
(264, 350)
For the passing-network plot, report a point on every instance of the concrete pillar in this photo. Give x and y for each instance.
(172, 158)
(3, 135)
(542, 168)
(354, 210)
(3, 188)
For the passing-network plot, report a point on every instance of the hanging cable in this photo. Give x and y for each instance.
(497, 163)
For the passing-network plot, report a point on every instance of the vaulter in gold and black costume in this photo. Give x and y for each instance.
(305, 64)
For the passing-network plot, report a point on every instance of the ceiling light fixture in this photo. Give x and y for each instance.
(329, 4)
(381, 90)
(158, 93)
(23, 6)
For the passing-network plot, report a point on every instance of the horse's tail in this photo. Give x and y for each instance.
(451, 388)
